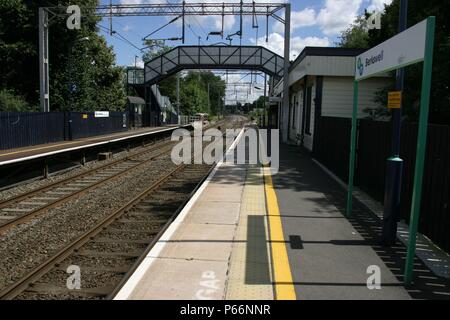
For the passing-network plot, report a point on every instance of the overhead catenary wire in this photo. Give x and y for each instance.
(131, 30)
(162, 27)
(119, 37)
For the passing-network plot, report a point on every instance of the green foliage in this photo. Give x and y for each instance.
(90, 65)
(440, 90)
(194, 93)
(356, 36)
(155, 49)
(11, 102)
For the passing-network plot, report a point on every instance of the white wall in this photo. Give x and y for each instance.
(337, 98)
(323, 65)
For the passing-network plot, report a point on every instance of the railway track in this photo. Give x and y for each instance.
(113, 248)
(109, 251)
(22, 208)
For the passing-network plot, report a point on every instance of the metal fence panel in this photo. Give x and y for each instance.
(86, 124)
(332, 144)
(374, 143)
(21, 129)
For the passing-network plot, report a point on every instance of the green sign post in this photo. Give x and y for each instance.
(409, 47)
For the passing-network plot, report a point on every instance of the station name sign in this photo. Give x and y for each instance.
(101, 114)
(408, 47)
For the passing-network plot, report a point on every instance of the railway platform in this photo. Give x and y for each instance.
(51, 149)
(247, 235)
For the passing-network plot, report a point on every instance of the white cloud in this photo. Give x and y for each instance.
(276, 43)
(337, 15)
(139, 63)
(299, 19)
(378, 5)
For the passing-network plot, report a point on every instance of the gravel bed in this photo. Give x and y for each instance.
(137, 227)
(29, 186)
(130, 235)
(25, 246)
(114, 247)
(138, 217)
(91, 261)
(72, 296)
(89, 279)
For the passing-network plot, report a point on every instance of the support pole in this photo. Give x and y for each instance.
(351, 172)
(178, 98)
(43, 61)
(266, 114)
(287, 49)
(421, 149)
(394, 164)
(45, 171)
(183, 23)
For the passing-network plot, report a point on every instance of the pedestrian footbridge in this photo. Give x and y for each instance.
(214, 57)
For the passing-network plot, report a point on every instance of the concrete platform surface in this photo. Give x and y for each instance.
(7, 156)
(247, 235)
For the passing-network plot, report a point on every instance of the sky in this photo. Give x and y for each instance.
(314, 23)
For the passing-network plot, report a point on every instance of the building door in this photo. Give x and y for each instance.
(308, 111)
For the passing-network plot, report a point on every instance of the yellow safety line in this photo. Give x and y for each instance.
(284, 287)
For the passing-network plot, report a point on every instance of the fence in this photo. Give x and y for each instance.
(332, 144)
(86, 124)
(21, 129)
(374, 143)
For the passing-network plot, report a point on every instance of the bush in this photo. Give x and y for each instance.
(11, 102)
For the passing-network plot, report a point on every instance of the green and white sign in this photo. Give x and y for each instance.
(411, 46)
(404, 49)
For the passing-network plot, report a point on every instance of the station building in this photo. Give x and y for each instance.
(321, 85)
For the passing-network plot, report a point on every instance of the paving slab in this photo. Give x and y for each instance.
(214, 212)
(223, 194)
(198, 242)
(179, 279)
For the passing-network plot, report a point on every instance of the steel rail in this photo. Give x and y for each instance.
(136, 264)
(19, 286)
(35, 212)
(27, 195)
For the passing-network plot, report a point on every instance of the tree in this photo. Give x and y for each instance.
(11, 102)
(356, 36)
(440, 91)
(90, 66)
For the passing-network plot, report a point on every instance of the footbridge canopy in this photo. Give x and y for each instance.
(213, 57)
